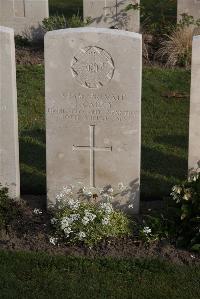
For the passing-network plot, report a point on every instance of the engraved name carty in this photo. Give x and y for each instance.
(92, 67)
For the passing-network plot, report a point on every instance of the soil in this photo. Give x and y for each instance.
(29, 55)
(29, 232)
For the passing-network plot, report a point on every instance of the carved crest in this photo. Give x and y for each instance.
(92, 67)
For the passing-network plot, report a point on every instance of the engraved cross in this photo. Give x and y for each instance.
(92, 149)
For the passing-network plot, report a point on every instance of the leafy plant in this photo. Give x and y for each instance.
(187, 199)
(157, 17)
(21, 41)
(155, 227)
(61, 22)
(78, 219)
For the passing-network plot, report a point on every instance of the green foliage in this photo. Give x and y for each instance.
(155, 227)
(158, 16)
(8, 210)
(78, 219)
(187, 20)
(61, 22)
(187, 199)
(21, 41)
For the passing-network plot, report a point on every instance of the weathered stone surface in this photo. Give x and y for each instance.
(93, 99)
(112, 14)
(9, 146)
(190, 7)
(24, 16)
(194, 133)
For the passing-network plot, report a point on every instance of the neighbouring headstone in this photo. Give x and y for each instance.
(190, 7)
(194, 132)
(93, 109)
(112, 14)
(9, 145)
(24, 16)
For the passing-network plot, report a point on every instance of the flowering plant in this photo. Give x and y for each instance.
(187, 200)
(86, 215)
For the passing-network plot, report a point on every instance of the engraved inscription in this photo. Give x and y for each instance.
(92, 67)
(93, 107)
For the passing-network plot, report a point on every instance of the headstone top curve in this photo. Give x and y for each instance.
(6, 29)
(94, 30)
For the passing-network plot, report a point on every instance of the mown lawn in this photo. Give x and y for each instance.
(30, 275)
(164, 129)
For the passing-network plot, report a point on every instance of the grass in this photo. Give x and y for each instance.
(30, 275)
(164, 130)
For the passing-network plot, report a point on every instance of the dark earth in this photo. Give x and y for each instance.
(30, 55)
(30, 232)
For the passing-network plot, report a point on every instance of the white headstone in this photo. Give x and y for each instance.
(24, 16)
(112, 14)
(190, 7)
(9, 146)
(194, 132)
(93, 107)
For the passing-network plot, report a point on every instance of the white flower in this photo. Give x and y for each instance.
(67, 190)
(74, 217)
(130, 206)
(73, 204)
(90, 215)
(87, 192)
(85, 220)
(146, 230)
(67, 231)
(121, 186)
(110, 190)
(177, 189)
(107, 207)
(81, 235)
(105, 221)
(194, 176)
(37, 211)
(65, 222)
(53, 240)
(54, 220)
(187, 194)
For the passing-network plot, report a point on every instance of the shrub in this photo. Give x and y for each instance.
(176, 48)
(187, 200)
(77, 219)
(21, 41)
(157, 17)
(61, 22)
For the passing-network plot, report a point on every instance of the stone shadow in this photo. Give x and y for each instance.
(115, 16)
(33, 161)
(180, 141)
(159, 171)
